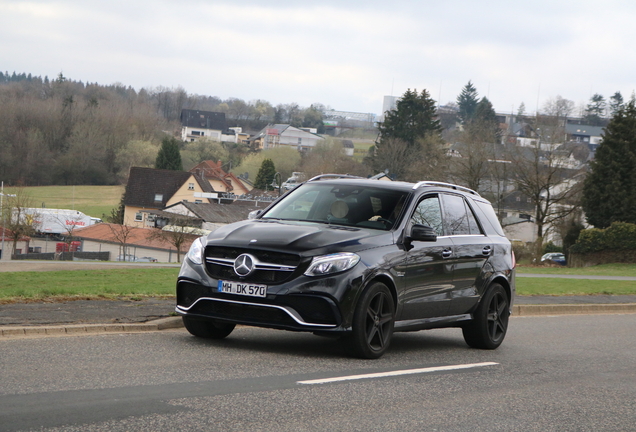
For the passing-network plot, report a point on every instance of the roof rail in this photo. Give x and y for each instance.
(323, 176)
(448, 185)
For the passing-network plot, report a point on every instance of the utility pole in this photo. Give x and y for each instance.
(2, 195)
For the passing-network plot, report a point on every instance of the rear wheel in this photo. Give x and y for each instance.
(373, 322)
(207, 329)
(490, 321)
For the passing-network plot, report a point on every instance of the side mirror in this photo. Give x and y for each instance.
(254, 214)
(423, 233)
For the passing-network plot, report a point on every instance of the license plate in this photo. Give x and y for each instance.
(242, 288)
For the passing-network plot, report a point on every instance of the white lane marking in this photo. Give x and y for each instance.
(397, 373)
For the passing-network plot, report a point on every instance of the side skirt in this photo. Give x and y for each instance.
(429, 323)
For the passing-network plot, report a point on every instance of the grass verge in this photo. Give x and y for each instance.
(564, 287)
(598, 270)
(69, 284)
(160, 282)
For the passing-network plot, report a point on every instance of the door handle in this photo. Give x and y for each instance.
(447, 253)
(486, 250)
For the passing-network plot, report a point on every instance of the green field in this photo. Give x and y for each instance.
(133, 283)
(88, 284)
(91, 200)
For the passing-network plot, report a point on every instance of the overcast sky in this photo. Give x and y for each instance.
(344, 54)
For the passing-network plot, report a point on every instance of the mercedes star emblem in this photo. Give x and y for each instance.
(244, 265)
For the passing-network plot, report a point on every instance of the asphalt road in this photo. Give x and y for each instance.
(569, 373)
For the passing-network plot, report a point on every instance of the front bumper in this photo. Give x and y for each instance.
(300, 311)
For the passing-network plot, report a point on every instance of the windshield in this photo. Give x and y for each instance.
(351, 205)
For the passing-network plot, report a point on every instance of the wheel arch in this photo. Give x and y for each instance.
(505, 283)
(386, 280)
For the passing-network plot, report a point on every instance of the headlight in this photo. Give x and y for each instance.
(195, 254)
(333, 263)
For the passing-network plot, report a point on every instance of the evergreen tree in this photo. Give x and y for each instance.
(609, 191)
(595, 110)
(484, 125)
(414, 117)
(265, 175)
(467, 101)
(169, 157)
(521, 112)
(616, 103)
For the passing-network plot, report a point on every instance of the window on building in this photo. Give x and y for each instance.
(158, 197)
(139, 216)
(190, 186)
(198, 202)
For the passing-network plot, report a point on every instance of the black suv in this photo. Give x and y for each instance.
(356, 258)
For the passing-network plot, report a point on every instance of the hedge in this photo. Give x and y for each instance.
(620, 236)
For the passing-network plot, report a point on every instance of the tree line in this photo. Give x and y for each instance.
(61, 131)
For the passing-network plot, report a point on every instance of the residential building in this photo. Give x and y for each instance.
(131, 241)
(214, 215)
(276, 135)
(220, 180)
(149, 190)
(196, 124)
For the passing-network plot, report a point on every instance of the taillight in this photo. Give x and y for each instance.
(514, 259)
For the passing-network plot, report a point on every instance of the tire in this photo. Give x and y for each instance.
(373, 321)
(207, 329)
(488, 328)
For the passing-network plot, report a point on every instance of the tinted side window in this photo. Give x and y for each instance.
(488, 218)
(455, 219)
(429, 213)
(472, 220)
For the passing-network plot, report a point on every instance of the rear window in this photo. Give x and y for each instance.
(488, 218)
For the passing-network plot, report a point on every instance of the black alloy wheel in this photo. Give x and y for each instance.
(206, 328)
(373, 322)
(490, 320)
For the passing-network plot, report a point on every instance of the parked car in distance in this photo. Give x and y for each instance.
(145, 259)
(356, 259)
(554, 257)
(133, 258)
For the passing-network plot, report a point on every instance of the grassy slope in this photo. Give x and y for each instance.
(91, 200)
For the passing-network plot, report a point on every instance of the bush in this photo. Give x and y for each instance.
(618, 236)
(551, 247)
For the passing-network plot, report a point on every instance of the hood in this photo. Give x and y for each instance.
(295, 237)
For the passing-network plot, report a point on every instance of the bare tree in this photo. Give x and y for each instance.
(120, 234)
(17, 219)
(552, 186)
(180, 231)
(469, 164)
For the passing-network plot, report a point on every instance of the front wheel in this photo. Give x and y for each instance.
(490, 321)
(373, 322)
(207, 329)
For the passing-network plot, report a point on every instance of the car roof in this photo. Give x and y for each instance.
(394, 185)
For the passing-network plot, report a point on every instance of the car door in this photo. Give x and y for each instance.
(427, 269)
(471, 248)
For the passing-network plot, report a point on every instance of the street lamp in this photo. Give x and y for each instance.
(2, 195)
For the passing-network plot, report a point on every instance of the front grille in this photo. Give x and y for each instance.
(219, 265)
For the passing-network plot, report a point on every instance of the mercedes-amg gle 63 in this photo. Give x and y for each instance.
(358, 259)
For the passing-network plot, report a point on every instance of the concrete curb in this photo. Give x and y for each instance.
(79, 329)
(176, 322)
